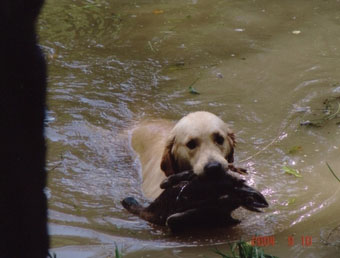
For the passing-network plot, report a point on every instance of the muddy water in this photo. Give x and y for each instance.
(262, 66)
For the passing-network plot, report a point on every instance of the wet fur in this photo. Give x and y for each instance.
(190, 160)
(162, 148)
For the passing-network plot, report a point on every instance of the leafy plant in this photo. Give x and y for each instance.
(294, 149)
(291, 171)
(245, 250)
(117, 253)
(291, 201)
(192, 90)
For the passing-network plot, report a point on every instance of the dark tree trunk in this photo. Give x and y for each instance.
(23, 206)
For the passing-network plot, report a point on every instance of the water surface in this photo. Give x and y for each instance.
(264, 67)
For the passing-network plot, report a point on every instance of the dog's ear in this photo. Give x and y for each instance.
(232, 143)
(230, 156)
(168, 164)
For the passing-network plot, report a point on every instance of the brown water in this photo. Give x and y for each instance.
(262, 66)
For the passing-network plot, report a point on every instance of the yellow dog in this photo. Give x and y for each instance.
(200, 141)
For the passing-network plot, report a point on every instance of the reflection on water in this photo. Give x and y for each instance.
(262, 66)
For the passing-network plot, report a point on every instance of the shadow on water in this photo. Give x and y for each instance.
(262, 66)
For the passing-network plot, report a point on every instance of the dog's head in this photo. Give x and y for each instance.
(201, 142)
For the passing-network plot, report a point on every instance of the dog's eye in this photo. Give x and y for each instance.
(192, 144)
(219, 139)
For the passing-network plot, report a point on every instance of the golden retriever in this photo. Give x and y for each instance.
(200, 141)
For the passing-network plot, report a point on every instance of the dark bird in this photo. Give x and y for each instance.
(189, 200)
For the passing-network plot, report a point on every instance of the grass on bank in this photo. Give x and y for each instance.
(330, 169)
(245, 250)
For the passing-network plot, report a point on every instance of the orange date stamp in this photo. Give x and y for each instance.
(264, 241)
(305, 240)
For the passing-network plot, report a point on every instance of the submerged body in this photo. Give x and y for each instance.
(149, 141)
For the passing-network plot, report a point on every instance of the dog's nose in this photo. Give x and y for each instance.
(213, 169)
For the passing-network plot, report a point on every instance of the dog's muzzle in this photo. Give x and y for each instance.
(213, 169)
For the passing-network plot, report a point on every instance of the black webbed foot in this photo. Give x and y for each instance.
(132, 205)
(252, 199)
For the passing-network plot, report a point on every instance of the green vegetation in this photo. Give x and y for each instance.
(291, 171)
(291, 201)
(294, 150)
(117, 253)
(330, 169)
(51, 255)
(245, 250)
(331, 111)
(192, 90)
